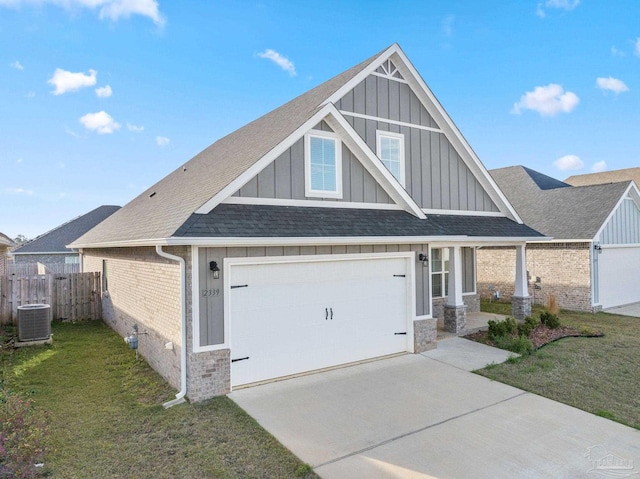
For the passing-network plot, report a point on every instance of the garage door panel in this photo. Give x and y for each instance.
(619, 276)
(282, 320)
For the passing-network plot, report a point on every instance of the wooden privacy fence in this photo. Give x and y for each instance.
(72, 296)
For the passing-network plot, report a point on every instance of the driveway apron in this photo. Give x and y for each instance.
(416, 416)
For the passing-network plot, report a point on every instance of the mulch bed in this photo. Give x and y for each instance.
(540, 336)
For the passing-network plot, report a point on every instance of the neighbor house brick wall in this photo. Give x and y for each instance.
(563, 268)
(144, 289)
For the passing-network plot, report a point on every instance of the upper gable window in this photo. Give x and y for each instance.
(390, 149)
(323, 165)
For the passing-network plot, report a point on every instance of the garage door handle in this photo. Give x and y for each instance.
(331, 309)
(239, 359)
(326, 314)
(399, 275)
(400, 334)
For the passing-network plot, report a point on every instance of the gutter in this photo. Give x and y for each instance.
(183, 347)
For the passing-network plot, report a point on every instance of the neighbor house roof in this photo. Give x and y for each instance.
(555, 208)
(615, 176)
(263, 221)
(6, 241)
(56, 240)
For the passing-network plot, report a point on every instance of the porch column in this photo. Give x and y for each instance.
(455, 311)
(521, 301)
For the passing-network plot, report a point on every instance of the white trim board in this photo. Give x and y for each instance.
(240, 200)
(381, 75)
(391, 122)
(430, 211)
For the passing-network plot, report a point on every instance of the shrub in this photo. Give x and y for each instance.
(22, 432)
(525, 329)
(500, 329)
(550, 320)
(552, 304)
(517, 344)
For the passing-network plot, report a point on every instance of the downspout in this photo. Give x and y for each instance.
(183, 313)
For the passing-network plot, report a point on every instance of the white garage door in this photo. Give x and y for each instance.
(619, 276)
(287, 318)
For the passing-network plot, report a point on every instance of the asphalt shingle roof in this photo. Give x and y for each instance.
(163, 208)
(55, 241)
(243, 221)
(614, 176)
(563, 211)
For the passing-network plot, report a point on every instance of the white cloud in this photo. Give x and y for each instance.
(447, 25)
(135, 128)
(636, 48)
(109, 9)
(599, 166)
(17, 65)
(65, 81)
(19, 160)
(100, 122)
(283, 62)
(31, 94)
(162, 141)
(617, 53)
(547, 100)
(104, 91)
(568, 162)
(566, 5)
(612, 84)
(18, 191)
(61, 165)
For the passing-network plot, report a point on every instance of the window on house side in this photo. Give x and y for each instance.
(390, 148)
(439, 272)
(323, 162)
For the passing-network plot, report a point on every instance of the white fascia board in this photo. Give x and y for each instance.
(481, 241)
(430, 211)
(631, 192)
(452, 133)
(257, 167)
(371, 162)
(347, 87)
(240, 200)
(551, 239)
(124, 243)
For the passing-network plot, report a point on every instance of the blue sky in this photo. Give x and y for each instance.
(99, 99)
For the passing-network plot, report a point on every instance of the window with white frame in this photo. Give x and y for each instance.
(323, 165)
(440, 271)
(390, 149)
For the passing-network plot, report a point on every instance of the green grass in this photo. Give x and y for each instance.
(599, 375)
(106, 417)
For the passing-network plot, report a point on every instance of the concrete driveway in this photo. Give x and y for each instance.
(627, 310)
(418, 416)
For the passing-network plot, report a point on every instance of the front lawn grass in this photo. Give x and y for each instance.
(106, 417)
(599, 375)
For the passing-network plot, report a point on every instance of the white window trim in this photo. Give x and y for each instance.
(309, 192)
(444, 272)
(380, 134)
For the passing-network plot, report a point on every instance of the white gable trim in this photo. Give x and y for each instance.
(391, 122)
(246, 200)
(433, 106)
(349, 137)
(631, 193)
(431, 211)
(371, 162)
(261, 164)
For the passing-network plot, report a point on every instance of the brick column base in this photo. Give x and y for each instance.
(455, 319)
(425, 332)
(521, 307)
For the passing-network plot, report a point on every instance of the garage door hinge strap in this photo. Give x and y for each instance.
(240, 286)
(239, 359)
(399, 275)
(398, 334)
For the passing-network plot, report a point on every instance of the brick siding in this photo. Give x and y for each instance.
(563, 268)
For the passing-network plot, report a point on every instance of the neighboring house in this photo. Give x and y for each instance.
(594, 259)
(51, 247)
(328, 231)
(6, 244)
(614, 176)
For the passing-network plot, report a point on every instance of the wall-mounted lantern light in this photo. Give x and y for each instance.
(425, 260)
(213, 266)
(597, 247)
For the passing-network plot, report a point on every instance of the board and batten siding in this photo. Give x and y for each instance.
(624, 226)
(436, 176)
(211, 291)
(284, 178)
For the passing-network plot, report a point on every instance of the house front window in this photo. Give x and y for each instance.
(439, 272)
(390, 149)
(323, 165)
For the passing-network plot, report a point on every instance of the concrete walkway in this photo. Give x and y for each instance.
(627, 310)
(416, 416)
